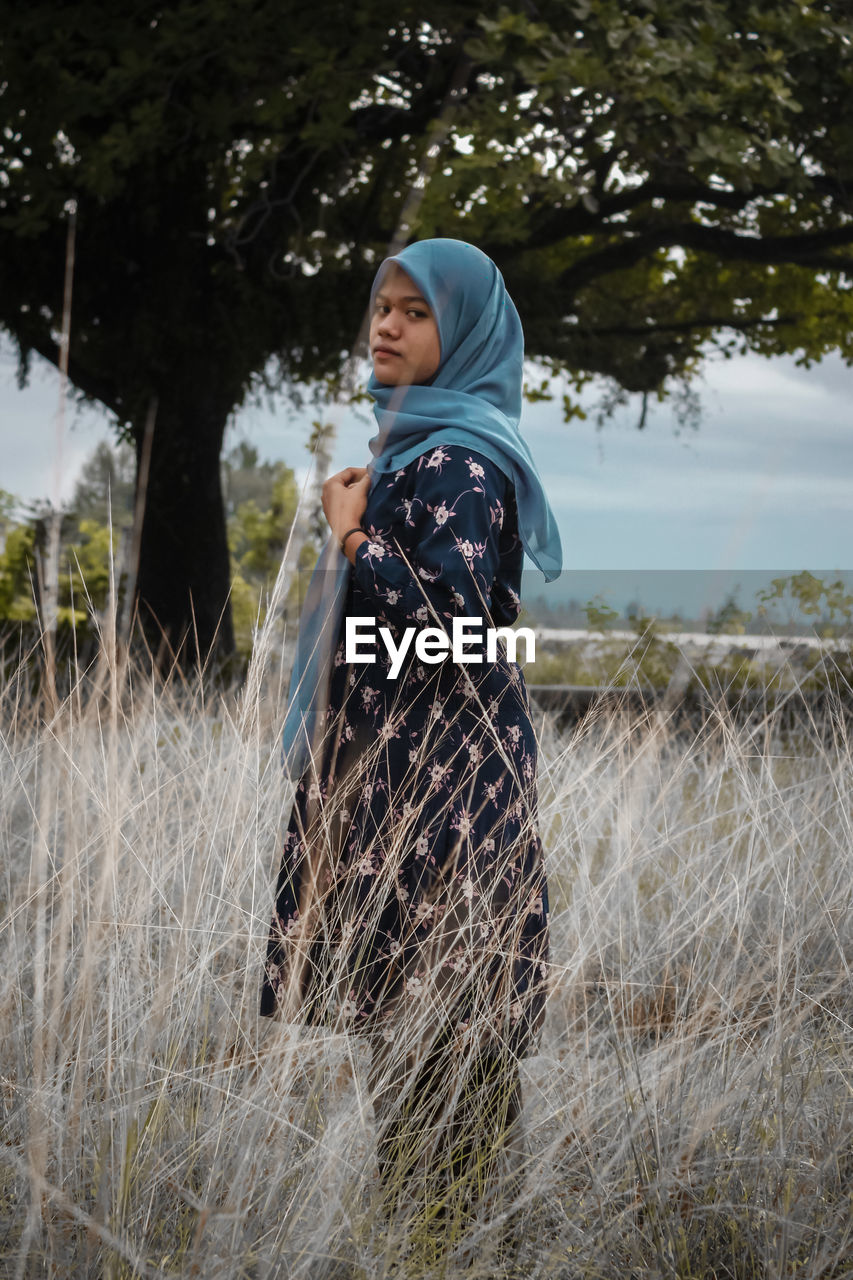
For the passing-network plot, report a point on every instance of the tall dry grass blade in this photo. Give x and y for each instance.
(143, 473)
(49, 568)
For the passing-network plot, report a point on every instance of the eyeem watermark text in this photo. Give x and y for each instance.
(433, 645)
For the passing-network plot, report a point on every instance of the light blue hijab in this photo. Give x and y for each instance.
(474, 400)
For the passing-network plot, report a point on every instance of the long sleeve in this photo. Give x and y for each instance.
(439, 557)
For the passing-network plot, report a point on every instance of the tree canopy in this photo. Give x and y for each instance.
(652, 176)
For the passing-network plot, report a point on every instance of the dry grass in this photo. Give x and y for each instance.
(689, 1113)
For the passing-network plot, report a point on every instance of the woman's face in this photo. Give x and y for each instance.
(404, 341)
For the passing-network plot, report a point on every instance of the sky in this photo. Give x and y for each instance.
(763, 488)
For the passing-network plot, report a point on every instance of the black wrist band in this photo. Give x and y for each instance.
(342, 543)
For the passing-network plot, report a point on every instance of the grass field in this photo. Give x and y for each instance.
(690, 1112)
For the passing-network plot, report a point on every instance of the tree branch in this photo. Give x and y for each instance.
(91, 385)
(798, 250)
(555, 225)
(454, 79)
(687, 326)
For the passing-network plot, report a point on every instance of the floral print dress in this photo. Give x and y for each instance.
(412, 874)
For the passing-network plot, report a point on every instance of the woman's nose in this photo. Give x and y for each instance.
(389, 323)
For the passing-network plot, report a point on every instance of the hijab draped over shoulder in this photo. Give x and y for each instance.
(474, 400)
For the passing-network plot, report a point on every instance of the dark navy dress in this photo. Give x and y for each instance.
(412, 872)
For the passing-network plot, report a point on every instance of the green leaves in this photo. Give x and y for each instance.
(17, 569)
(812, 597)
(262, 500)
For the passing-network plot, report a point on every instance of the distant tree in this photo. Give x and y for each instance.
(84, 581)
(17, 569)
(259, 526)
(261, 501)
(655, 177)
(8, 502)
(85, 549)
(106, 485)
(729, 619)
(828, 604)
(245, 478)
(600, 616)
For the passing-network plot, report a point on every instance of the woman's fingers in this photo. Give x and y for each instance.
(345, 496)
(349, 475)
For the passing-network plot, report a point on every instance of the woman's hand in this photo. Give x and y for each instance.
(345, 498)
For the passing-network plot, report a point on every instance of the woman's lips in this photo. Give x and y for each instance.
(382, 353)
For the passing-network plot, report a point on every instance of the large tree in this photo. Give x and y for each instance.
(651, 175)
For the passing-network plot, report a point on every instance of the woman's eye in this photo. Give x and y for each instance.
(384, 308)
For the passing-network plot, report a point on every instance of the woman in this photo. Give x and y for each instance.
(411, 901)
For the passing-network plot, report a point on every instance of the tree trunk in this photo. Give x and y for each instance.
(184, 572)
